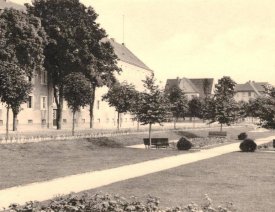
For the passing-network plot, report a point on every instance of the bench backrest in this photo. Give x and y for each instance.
(155, 141)
(217, 133)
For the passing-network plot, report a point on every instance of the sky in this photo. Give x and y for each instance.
(195, 38)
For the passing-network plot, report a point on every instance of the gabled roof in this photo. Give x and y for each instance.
(189, 86)
(251, 86)
(125, 55)
(203, 85)
(172, 83)
(9, 4)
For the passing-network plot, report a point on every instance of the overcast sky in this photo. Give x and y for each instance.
(195, 38)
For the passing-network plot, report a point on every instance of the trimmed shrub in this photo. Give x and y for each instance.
(242, 136)
(107, 202)
(184, 144)
(248, 145)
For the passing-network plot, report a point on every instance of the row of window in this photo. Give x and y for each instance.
(44, 78)
(43, 102)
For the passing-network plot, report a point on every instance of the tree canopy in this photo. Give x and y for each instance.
(77, 91)
(151, 105)
(22, 41)
(76, 44)
(121, 96)
(177, 102)
(226, 107)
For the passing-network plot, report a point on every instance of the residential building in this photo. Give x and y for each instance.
(196, 87)
(249, 90)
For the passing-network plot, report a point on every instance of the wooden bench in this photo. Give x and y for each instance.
(156, 142)
(217, 134)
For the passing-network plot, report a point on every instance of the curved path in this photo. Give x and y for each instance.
(76, 183)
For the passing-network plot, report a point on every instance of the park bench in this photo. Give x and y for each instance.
(156, 142)
(217, 134)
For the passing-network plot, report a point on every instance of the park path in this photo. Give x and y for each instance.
(76, 183)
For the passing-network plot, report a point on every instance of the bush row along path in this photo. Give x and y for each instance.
(81, 182)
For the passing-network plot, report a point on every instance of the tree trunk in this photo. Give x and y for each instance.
(14, 125)
(7, 123)
(175, 123)
(150, 127)
(73, 123)
(193, 120)
(118, 117)
(58, 96)
(92, 107)
(59, 116)
(221, 128)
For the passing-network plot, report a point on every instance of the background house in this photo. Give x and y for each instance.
(199, 87)
(249, 90)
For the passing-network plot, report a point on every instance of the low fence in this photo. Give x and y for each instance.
(56, 135)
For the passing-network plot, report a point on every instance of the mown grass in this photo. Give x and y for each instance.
(34, 162)
(246, 179)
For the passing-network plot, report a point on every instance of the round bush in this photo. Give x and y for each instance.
(242, 136)
(184, 144)
(248, 145)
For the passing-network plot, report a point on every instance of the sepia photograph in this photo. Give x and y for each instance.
(137, 105)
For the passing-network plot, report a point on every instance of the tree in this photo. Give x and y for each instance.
(195, 108)
(226, 106)
(151, 105)
(265, 108)
(209, 109)
(177, 102)
(121, 96)
(76, 43)
(14, 90)
(77, 91)
(22, 41)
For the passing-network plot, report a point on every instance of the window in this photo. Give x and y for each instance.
(98, 104)
(249, 93)
(64, 121)
(43, 121)
(44, 77)
(1, 122)
(30, 102)
(30, 121)
(43, 103)
(83, 121)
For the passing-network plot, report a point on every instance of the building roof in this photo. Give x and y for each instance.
(9, 4)
(125, 55)
(203, 85)
(251, 86)
(192, 85)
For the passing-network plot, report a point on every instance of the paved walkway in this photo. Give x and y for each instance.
(76, 183)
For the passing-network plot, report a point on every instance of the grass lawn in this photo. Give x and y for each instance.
(246, 179)
(33, 162)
